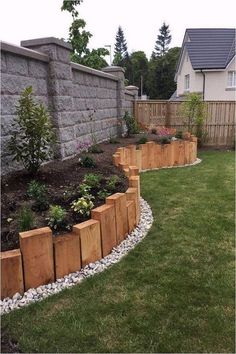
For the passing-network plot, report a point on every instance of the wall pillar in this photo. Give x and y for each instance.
(60, 87)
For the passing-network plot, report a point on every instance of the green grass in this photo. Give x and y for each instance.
(173, 293)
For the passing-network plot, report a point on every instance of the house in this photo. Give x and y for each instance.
(207, 64)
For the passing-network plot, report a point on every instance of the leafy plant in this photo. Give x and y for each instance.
(57, 217)
(179, 134)
(26, 219)
(112, 182)
(142, 140)
(131, 124)
(194, 111)
(38, 192)
(87, 161)
(93, 180)
(102, 194)
(95, 149)
(84, 189)
(164, 140)
(83, 205)
(33, 139)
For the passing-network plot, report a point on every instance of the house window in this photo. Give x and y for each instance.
(186, 82)
(231, 78)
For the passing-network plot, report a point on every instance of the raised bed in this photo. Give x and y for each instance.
(41, 258)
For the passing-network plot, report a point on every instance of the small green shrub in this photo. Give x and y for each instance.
(26, 219)
(131, 124)
(84, 189)
(102, 194)
(179, 134)
(142, 140)
(95, 149)
(33, 140)
(164, 140)
(83, 205)
(87, 161)
(38, 192)
(112, 182)
(93, 180)
(57, 217)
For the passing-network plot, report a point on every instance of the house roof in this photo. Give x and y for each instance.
(209, 48)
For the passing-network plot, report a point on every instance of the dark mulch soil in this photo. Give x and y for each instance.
(59, 177)
(8, 345)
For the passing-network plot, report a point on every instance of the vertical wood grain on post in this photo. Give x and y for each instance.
(186, 152)
(151, 154)
(120, 151)
(132, 195)
(158, 156)
(192, 151)
(144, 154)
(181, 153)
(118, 200)
(171, 154)
(176, 152)
(66, 254)
(127, 156)
(123, 166)
(116, 159)
(105, 214)
(90, 241)
(165, 155)
(132, 154)
(138, 159)
(37, 254)
(131, 215)
(11, 273)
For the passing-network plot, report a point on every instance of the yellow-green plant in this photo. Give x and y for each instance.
(83, 205)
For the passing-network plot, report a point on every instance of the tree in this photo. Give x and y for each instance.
(162, 42)
(139, 70)
(121, 49)
(160, 82)
(33, 140)
(79, 39)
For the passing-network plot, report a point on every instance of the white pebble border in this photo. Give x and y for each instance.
(42, 292)
(186, 165)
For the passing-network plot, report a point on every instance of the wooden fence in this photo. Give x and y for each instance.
(219, 124)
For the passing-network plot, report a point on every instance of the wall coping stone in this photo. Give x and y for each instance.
(127, 92)
(91, 71)
(43, 41)
(113, 68)
(12, 48)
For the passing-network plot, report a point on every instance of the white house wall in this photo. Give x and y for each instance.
(216, 85)
(196, 79)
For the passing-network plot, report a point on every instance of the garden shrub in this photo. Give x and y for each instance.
(83, 205)
(165, 140)
(103, 194)
(95, 149)
(26, 219)
(93, 180)
(179, 134)
(112, 182)
(32, 142)
(57, 217)
(142, 140)
(87, 161)
(38, 192)
(131, 124)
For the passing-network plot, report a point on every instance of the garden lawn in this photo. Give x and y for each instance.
(173, 293)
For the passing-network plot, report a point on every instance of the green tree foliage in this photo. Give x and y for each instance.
(194, 111)
(33, 140)
(79, 39)
(162, 42)
(160, 82)
(121, 49)
(139, 69)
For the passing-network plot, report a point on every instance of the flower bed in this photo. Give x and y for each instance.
(42, 259)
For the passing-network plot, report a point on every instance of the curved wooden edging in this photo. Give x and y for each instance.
(41, 258)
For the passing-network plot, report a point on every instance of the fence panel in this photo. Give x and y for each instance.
(219, 124)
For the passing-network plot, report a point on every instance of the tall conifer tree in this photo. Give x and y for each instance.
(162, 42)
(121, 50)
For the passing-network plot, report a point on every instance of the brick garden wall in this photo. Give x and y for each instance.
(81, 101)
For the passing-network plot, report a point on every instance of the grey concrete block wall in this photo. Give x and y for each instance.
(84, 104)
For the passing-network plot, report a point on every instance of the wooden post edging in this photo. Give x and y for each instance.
(37, 254)
(11, 273)
(90, 241)
(119, 202)
(105, 214)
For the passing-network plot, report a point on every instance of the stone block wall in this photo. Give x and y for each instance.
(84, 104)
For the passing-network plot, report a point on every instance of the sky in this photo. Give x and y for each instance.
(139, 19)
